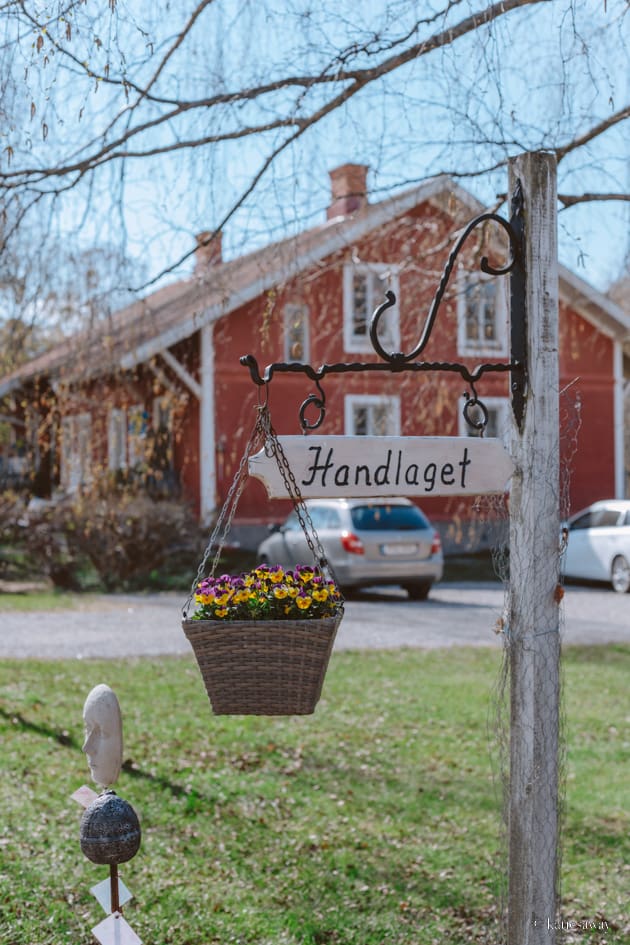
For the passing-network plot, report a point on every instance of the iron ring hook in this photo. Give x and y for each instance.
(313, 400)
(480, 423)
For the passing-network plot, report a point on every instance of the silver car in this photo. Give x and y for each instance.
(598, 547)
(379, 541)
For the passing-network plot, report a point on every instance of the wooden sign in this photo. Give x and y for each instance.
(363, 466)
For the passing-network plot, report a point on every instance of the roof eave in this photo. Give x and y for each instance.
(596, 307)
(339, 233)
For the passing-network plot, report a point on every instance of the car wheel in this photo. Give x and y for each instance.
(620, 575)
(419, 590)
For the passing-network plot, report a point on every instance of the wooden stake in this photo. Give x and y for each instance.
(533, 641)
(113, 886)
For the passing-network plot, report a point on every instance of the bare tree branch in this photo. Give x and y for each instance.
(145, 98)
(356, 81)
(593, 133)
(570, 200)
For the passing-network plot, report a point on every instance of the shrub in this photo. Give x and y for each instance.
(129, 539)
(13, 563)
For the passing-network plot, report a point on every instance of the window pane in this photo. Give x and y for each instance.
(137, 435)
(292, 524)
(380, 420)
(584, 521)
(383, 517)
(116, 445)
(604, 518)
(472, 306)
(296, 332)
(488, 310)
(492, 426)
(360, 313)
(480, 312)
(360, 417)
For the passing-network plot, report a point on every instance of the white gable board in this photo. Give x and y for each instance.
(364, 466)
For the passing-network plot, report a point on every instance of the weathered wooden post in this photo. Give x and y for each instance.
(533, 633)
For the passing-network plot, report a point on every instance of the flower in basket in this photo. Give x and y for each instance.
(267, 593)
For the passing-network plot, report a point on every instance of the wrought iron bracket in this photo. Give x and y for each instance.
(518, 307)
(398, 362)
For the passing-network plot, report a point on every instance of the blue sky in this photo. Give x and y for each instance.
(537, 77)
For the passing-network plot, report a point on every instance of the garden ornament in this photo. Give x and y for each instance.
(110, 830)
(103, 735)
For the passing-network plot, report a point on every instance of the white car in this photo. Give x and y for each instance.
(598, 547)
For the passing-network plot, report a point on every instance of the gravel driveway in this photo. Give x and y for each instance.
(459, 614)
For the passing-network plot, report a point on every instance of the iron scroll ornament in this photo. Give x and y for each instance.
(474, 410)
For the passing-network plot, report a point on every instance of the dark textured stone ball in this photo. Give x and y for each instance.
(110, 830)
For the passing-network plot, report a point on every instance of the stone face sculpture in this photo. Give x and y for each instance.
(103, 743)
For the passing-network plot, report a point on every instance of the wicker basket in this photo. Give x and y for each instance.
(263, 667)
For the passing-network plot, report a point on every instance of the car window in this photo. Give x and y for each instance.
(626, 520)
(605, 517)
(318, 516)
(331, 518)
(373, 518)
(292, 523)
(324, 516)
(584, 521)
(596, 518)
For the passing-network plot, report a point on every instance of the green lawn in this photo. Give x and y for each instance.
(42, 600)
(374, 821)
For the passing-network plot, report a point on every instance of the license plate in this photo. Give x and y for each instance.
(399, 548)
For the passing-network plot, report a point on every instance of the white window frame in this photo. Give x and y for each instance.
(117, 439)
(391, 402)
(389, 334)
(293, 312)
(498, 405)
(481, 346)
(76, 451)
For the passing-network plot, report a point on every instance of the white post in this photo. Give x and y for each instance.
(533, 633)
(207, 465)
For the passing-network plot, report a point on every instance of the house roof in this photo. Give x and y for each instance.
(142, 330)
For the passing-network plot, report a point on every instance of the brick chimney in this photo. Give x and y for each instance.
(348, 185)
(208, 252)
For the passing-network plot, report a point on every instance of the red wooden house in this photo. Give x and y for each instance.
(163, 377)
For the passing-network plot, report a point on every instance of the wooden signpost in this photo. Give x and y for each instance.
(436, 466)
(371, 466)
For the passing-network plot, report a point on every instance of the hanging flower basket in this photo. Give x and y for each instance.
(263, 639)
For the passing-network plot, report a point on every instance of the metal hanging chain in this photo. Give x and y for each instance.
(274, 448)
(226, 515)
(264, 436)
